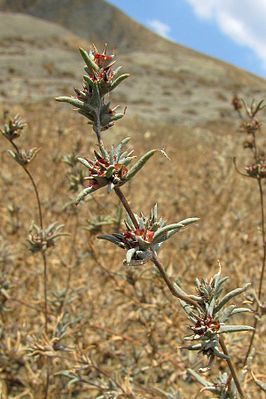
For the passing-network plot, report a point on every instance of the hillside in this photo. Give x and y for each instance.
(178, 84)
(94, 20)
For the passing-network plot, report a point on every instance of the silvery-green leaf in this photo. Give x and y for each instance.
(211, 307)
(84, 162)
(187, 308)
(118, 80)
(115, 71)
(139, 165)
(199, 378)
(231, 295)
(236, 328)
(84, 193)
(116, 116)
(164, 231)
(88, 80)
(220, 354)
(110, 187)
(194, 347)
(70, 100)
(121, 144)
(12, 154)
(179, 290)
(226, 313)
(260, 384)
(88, 61)
(111, 238)
(241, 310)
(130, 254)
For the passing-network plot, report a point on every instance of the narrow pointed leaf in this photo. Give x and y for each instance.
(217, 353)
(162, 233)
(231, 295)
(84, 193)
(199, 378)
(139, 165)
(237, 328)
(130, 254)
(88, 61)
(112, 239)
(11, 153)
(84, 162)
(241, 310)
(70, 100)
(260, 384)
(118, 80)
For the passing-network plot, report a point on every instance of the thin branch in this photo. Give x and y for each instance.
(261, 273)
(126, 205)
(169, 283)
(232, 369)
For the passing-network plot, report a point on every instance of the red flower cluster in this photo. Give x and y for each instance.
(100, 170)
(257, 170)
(208, 324)
(131, 237)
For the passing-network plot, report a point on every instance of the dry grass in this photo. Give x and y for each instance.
(123, 318)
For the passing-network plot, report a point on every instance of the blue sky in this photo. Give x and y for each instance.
(231, 30)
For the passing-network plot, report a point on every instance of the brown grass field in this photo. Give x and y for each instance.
(123, 319)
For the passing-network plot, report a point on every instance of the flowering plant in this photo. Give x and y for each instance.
(147, 238)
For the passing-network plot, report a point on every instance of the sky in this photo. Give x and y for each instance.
(231, 30)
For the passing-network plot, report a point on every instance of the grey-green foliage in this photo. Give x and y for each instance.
(111, 168)
(210, 318)
(220, 387)
(99, 80)
(23, 157)
(41, 239)
(13, 128)
(141, 241)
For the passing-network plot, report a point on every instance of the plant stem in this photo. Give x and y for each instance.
(45, 279)
(263, 238)
(97, 130)
(33, 185)
(45, 268)
(262, 270)
(126, 205)
(169, 283)
(154, 259)
(36, 195)
(232, 369)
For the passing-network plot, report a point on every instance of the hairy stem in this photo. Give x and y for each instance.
(262, 270)
(232, 368)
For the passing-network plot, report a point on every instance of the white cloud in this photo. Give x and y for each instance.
(160, 28)
(243, 21)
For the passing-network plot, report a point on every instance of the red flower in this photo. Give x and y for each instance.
(131, 237)
(102, 60)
